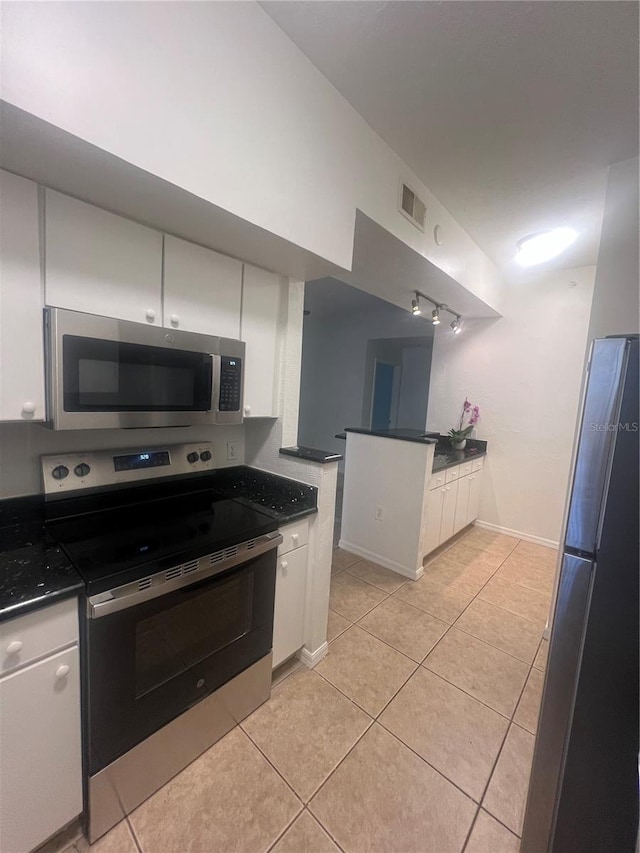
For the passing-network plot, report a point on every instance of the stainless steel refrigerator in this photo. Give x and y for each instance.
(583, 793)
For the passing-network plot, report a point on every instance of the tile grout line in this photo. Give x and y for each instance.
(136, 841)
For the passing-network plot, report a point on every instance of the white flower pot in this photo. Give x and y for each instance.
(459, 445)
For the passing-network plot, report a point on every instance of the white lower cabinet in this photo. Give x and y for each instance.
(433, 520)
(451, 507)
(41, 772)
(462, 504)
(475, 486)
(41, 776)
(291, 587)
(448, 510)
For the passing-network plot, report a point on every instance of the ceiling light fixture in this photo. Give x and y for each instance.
(538, 248)
(416, 310)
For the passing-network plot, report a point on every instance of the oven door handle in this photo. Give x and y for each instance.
(161, 583)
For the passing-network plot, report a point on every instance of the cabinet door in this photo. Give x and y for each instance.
(101, 263)
(41, 778)
(474, 496)
(288, 616)
(448, 511)
(261, 293)
(202, 289)
(433, 520)
(462, 503)
(21, 349)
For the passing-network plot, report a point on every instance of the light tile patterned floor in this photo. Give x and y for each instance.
(414, 735)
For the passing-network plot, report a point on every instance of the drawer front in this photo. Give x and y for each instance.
(437, 480)
(465, 469)
(294, 536)
(478, 464)
(27, 638)
(452, 474)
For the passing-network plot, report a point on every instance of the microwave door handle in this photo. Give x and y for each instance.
(215, 382)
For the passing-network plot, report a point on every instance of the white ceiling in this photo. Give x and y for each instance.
(510, 112)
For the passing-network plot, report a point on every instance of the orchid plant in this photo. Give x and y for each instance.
(468, 419)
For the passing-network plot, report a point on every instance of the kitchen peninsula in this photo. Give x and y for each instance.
(405, 493)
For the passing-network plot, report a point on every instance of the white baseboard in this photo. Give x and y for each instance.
(528, 537)
(310, 659)
(413, 574)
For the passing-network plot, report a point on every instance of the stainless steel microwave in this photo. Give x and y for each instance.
(105, 373)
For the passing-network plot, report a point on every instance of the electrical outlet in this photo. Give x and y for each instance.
(379, 513)
(232, 451)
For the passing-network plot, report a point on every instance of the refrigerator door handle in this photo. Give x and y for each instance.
(596, 443)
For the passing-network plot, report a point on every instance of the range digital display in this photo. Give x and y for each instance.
(133, 461)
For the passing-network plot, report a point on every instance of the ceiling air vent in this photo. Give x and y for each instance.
(412, 207)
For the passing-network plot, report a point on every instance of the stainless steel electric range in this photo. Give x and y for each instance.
(180, 585)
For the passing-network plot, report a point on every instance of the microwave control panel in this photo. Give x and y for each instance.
(230, 384)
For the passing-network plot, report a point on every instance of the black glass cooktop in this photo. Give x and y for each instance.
(111, 547)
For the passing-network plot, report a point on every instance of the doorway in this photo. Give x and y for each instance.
(384, 384)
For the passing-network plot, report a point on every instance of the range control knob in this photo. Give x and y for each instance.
(60, 472)
(205, 456)
(192, 457)
(82, 469)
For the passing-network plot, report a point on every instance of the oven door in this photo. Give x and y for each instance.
(150, 662)
(111, 373)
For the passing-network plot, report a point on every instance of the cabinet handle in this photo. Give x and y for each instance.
(62, 671)
(294, 538)
(28, 408)
(247, 411)
(284, 565)
(150, 315)
(14, 647)
(175, 321)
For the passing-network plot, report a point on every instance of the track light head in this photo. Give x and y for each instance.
(456, 325)
(415, 307)
(435, 316)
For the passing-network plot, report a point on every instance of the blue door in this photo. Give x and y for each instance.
(382, 393)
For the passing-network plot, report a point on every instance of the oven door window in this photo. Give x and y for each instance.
(171, 642)
(111, 376)
(150, 662)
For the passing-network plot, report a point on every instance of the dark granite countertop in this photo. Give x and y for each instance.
(34, 571)
(312, 454)
(279, 497)
(447, 457)
(399, 434)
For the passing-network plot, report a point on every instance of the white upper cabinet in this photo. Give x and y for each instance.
(100, 263)
(21, 351)
(202, 289)
(261, 294)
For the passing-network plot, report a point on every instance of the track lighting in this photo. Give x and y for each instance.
(456, 324)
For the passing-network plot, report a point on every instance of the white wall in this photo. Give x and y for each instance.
(216, 99)
(525, 372)
(336, 385)
(616, 308)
